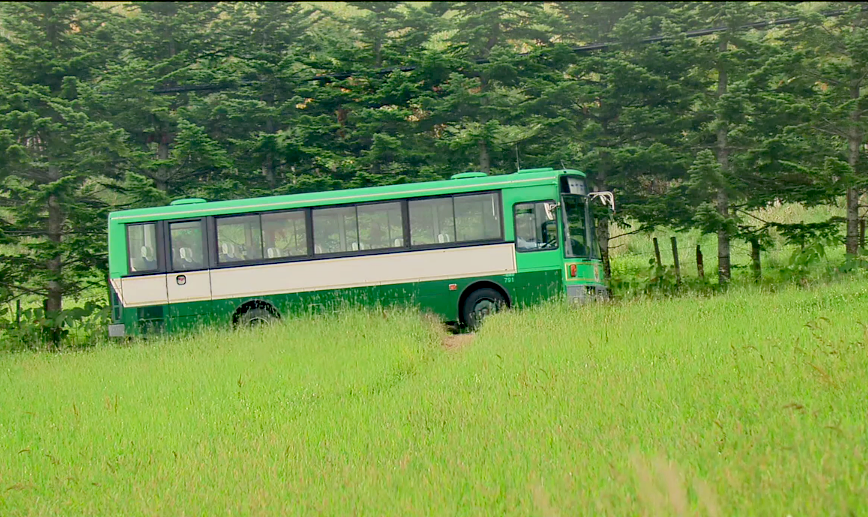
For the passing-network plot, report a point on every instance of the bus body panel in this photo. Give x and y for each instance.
(366, 270)
(430, 279)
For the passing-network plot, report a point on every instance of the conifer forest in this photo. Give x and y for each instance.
(695, 114)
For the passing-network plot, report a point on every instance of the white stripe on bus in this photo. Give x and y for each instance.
(340, 273)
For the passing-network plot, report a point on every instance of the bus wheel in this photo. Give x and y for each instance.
(255, 317)
(480, 304)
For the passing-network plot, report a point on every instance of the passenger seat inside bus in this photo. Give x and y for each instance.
(444, 237)
(187, 259)
(148, 260)
(227, 252)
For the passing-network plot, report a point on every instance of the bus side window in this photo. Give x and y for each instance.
(431, 221)
(238, 239)
(142, 247)
(285, 234)
(477, 217)
(380, 226)
(335, 230)
(536, 226)
(187, 245)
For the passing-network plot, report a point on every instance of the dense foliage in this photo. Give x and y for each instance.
(112, 105)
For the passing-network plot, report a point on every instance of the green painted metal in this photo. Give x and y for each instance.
(529, 171)
(523, 289)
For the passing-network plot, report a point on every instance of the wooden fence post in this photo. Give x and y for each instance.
(657, 253)
(700, 270)
(755, 259)
(675, 260)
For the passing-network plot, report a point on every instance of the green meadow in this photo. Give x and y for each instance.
(746, 403)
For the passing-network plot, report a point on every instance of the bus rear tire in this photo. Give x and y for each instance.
(480, 304)
(255, 317)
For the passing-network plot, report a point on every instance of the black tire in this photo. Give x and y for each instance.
(256, 317)
(480, 304)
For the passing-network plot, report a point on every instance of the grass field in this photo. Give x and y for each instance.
(748, 403)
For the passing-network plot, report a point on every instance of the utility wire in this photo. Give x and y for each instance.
(577, 50)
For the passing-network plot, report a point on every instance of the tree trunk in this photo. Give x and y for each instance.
(163, 173)
(854, 141)
(756, 266)
(723, 264)
(484, 158)
(603, 228)
(268, 171)
(268, 163)
(378, 53)
(603, 237)
(54, 299)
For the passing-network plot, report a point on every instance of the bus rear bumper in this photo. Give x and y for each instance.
(587, 293)
(117, 330)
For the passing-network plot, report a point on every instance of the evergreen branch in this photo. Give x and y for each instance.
(28, 290)
(840, 134)
(753, 216)
(626, 234)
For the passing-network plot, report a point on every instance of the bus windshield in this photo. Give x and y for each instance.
(576, 226)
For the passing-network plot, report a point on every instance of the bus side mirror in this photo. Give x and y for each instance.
(605, 197)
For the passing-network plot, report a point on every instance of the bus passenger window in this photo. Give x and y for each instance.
(142, 247)
(535, 226)
(380, 226)
(477, 217)
(285, 234)
(431, 221)
(187, 246)
(238, 239)
(335, 230)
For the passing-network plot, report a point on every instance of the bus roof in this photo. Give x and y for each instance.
(465, 182)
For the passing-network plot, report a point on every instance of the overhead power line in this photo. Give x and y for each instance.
(578, 50)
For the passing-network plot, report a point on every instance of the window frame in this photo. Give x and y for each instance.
(566, 225)
(158, 250)
(216, 250)
(515, 226)
(405, 216)
(460, 244)
(210, 241)
(264, 260)
(207, 259)
(405, 225)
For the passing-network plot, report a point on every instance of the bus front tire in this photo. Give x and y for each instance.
(255, 317)
(480, 304)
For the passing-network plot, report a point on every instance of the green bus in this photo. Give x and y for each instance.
(460, 248)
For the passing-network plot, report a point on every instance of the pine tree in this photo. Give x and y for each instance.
(624, 113)
(166, 44)
(480, 115)
(836, 60)
(55, 156)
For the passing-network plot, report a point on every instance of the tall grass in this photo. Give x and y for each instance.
(748, 403)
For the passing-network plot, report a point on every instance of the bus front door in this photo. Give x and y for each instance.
(189, 280)
(538, 255)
